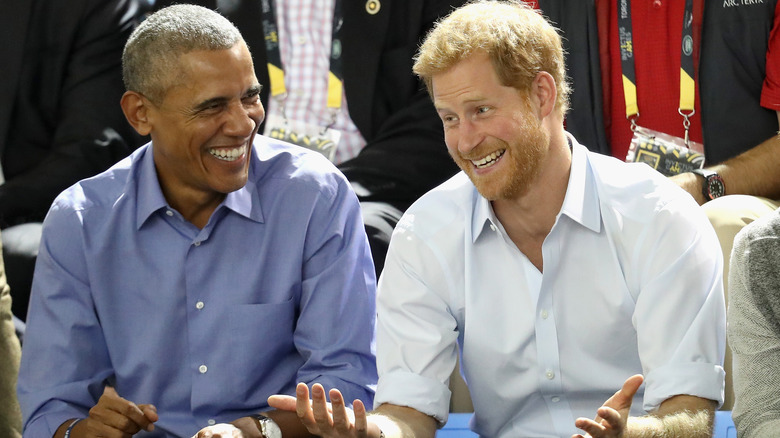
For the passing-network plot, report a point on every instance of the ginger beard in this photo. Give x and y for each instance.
(520, 162)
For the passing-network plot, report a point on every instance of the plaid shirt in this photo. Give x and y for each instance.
(305, 34)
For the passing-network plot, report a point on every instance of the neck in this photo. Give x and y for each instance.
(534, 211)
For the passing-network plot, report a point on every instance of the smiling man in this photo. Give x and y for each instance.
(179, 289)
(562, 275)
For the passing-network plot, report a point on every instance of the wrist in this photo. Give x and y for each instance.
(267, 426)
(69, 430)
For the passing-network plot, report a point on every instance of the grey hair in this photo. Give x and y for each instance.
(151, 54)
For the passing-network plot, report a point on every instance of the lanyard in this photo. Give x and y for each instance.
(687, 84)
(276, 70)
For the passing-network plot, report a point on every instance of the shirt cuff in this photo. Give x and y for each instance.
(403, 388)
(705, 380)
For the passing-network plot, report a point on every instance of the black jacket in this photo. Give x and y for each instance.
(60, 86)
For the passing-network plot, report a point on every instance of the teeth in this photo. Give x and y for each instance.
(227, 154)
(488, 160)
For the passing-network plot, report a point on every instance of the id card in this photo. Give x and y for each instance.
(316, 138)
(664, 153)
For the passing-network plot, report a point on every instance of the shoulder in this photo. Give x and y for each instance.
(442, 208)
(282, 166)
(636, 190)
(101, 191)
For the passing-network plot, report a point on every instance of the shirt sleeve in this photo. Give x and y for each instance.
(753, 330)
(678, 273)
(770, 93)
(416, 331)
(336, 326)
(63, 333)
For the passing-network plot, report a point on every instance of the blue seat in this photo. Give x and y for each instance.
(724, 425)
(458, 426)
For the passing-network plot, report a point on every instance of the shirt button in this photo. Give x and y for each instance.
(543, 314)
(203, 369)
(212, 421)
(493, 227)
(549, 374)
(169, 213)
(556, 399)
(199, 305)
(197, 243)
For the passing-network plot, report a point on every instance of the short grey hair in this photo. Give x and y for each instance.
(151, 54)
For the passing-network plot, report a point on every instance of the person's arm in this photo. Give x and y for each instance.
(335, 419)
(10, 354)
(86, 131)
(681, 416)
(111, 415)
(753, 315)
(753, 172)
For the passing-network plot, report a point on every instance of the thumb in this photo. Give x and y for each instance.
(110, 391)
(623, 398)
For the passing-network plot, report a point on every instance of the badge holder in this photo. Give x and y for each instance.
(665, 153)
(317, 138)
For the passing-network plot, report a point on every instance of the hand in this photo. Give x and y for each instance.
(114, 416)
(325, 419)
(691, 183)
(223, 430)
(613, 415)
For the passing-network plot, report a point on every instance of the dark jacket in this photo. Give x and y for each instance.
(60, 86)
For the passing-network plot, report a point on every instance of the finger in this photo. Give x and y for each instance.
(341, 418)
(625, 396)
(631, 385)
(150, 412)
(361, 422)
(610, 418)
(283, 402)
(591, 427)
(303, 406)
(320, 407)
(118, 413)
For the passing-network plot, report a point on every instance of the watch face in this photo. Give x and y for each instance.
(715, 186)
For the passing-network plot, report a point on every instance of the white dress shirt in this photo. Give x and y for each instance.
(632, 283)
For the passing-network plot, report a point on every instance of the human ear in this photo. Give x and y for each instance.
(136, 108)
(545, 93)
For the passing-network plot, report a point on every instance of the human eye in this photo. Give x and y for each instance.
(483, 109)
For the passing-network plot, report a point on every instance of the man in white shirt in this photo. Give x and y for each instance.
(562, 274)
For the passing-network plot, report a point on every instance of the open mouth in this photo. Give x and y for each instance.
(228, 154)
(489, 160)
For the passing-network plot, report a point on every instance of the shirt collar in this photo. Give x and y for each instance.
(581, 202)
(244, 201)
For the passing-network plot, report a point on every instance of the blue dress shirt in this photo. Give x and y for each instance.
(277, 288)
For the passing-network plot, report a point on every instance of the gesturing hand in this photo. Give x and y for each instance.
(114, 416)
(613, 415)
(328, 420)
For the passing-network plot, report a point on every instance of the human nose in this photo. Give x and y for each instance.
(468, 137)
(242, 121)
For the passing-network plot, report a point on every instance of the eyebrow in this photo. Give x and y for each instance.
(220, 100)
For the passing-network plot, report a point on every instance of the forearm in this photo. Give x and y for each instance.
(402, 422)
(754, 172)
(685, 424)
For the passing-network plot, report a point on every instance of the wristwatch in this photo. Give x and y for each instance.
(268, 427)
(713, 186)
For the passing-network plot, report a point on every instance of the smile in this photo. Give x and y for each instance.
(226, 154)
(488, 160)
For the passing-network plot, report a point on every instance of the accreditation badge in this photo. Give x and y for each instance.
(665, 153)
(317, 138)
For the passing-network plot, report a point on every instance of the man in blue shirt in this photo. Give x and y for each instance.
(186, 284)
